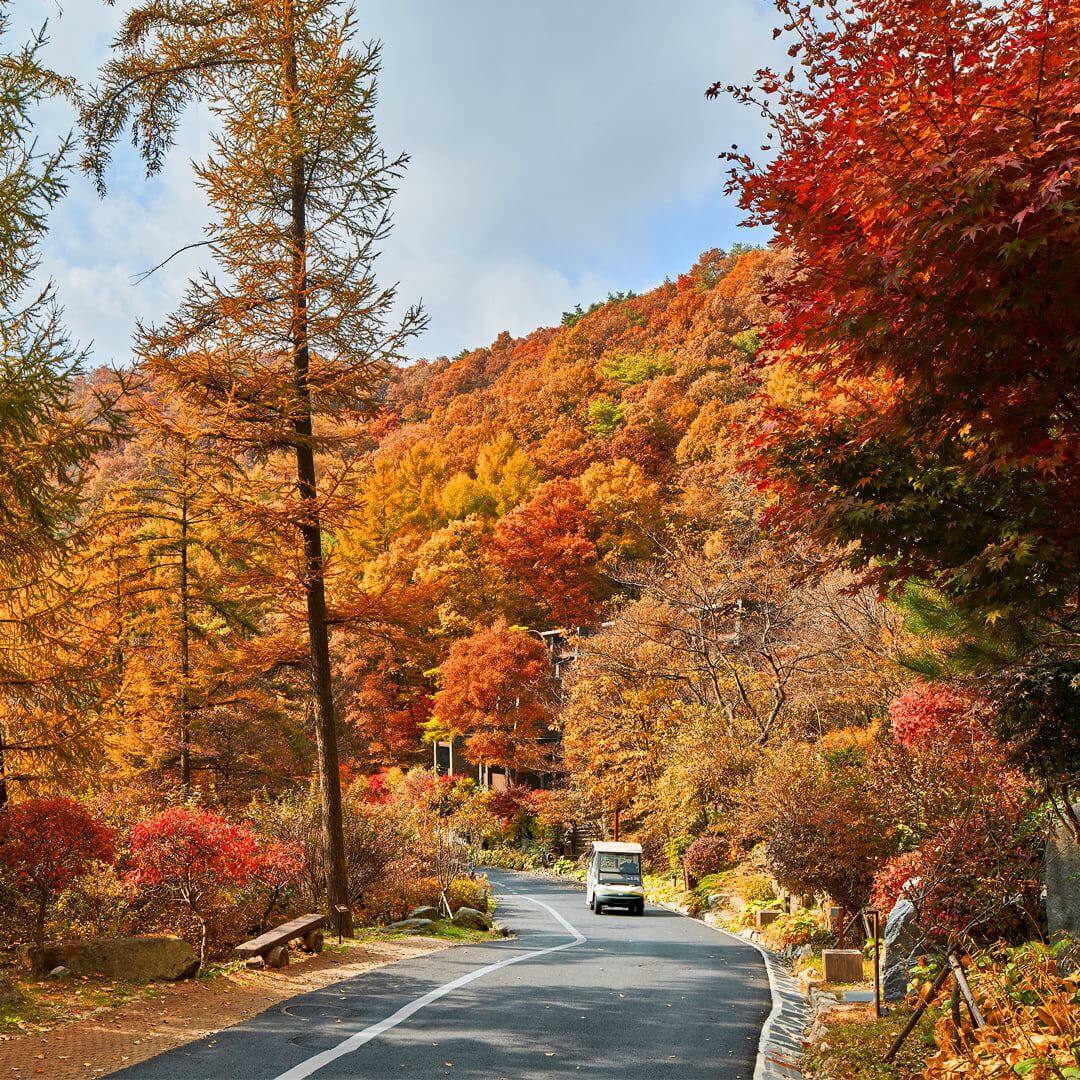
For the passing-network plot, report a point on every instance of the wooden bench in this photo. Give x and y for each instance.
(273, 946)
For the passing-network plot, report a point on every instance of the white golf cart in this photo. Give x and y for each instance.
(614, 878)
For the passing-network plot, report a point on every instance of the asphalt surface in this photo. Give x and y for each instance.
(573, 994)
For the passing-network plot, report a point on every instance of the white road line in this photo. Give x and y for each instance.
(354, 1042)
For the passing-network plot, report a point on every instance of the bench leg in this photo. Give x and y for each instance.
(278, 956)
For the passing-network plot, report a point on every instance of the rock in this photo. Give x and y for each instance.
(471, 919)
(255, 963)
(424, 912)
(59, 972)
(9, 992)
(413, 926)
(1063, 890)
(904, 941)
(135, 959)
(278, 956)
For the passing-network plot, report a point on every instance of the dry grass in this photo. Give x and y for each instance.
(856, 1041)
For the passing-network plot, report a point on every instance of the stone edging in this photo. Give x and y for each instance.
(781, 1043)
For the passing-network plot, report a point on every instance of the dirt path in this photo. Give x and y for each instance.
(182, 1012)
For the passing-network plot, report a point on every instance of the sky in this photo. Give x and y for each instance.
(560, 149)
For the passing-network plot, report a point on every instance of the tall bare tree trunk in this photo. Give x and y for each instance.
(185, 646)
(3, 771)
(337, 892)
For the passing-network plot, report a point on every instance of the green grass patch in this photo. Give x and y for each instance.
(659, 889)
(443, 928)
(47, 1003)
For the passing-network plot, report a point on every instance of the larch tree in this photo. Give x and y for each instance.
(281, 355)
(49, 430)
(187, 601)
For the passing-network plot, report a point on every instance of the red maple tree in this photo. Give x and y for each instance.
(192, 858)
(924, 186)
(548, 544)
(495, 692)
(47, 845)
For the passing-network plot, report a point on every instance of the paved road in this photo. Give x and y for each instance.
(572, 995)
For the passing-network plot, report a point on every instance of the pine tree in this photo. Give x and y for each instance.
(185, 607)
(50, 426)
(281, 356)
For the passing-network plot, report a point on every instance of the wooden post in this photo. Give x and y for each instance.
(957, 969)
(916, 1016)
(872, 923)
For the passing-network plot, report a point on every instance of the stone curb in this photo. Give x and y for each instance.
(781, 1044)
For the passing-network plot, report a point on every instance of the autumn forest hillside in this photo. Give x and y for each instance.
(773, 568)
(513, 487)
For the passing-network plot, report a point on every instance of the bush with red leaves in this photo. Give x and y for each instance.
(979, 877)
(46, 845)
(194, 859)
(707, 855)
(890, 880)
(936, 716)
(974, 871)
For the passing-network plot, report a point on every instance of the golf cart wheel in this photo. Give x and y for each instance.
(598, 907)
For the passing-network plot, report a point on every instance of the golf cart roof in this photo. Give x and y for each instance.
(616, 847)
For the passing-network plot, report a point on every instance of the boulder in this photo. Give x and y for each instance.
(413, 926)
(471, 919)
(904, 943)
(1063, 890)
(135, 959)
(9, 992)
(426, 911)
(59, 972)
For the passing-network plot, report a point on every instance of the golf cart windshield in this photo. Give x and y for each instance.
(615, 866)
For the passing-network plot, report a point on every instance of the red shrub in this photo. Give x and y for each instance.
(511, 804)
(192, 858)
(890, 880)
(928, 715)
(980, 875)
(707, 855)
(47, 845)
(275, 870)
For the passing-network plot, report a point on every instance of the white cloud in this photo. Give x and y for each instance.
(560, 150)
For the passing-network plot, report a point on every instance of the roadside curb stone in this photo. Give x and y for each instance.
(783, 1033)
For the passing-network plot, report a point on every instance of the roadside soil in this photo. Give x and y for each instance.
(178, 1013)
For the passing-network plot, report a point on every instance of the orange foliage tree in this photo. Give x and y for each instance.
(496, 693)
(278, 360)
(548, 545)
